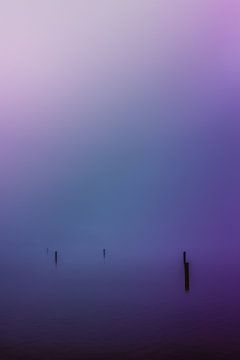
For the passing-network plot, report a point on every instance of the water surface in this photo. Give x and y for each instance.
(132, 304)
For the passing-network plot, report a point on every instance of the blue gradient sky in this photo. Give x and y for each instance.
(119, 120)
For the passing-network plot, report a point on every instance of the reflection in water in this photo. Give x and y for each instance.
(104, 253)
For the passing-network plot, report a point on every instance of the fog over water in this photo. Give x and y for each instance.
(119, 150)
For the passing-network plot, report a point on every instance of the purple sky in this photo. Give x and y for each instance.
(119, 115)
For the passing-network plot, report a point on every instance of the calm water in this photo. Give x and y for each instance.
(131, 305)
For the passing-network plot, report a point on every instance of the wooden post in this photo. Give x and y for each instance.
(186, 273)
(56, 257)
(184, 257)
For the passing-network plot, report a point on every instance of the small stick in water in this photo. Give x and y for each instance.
(56, 257)
(186, 272)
